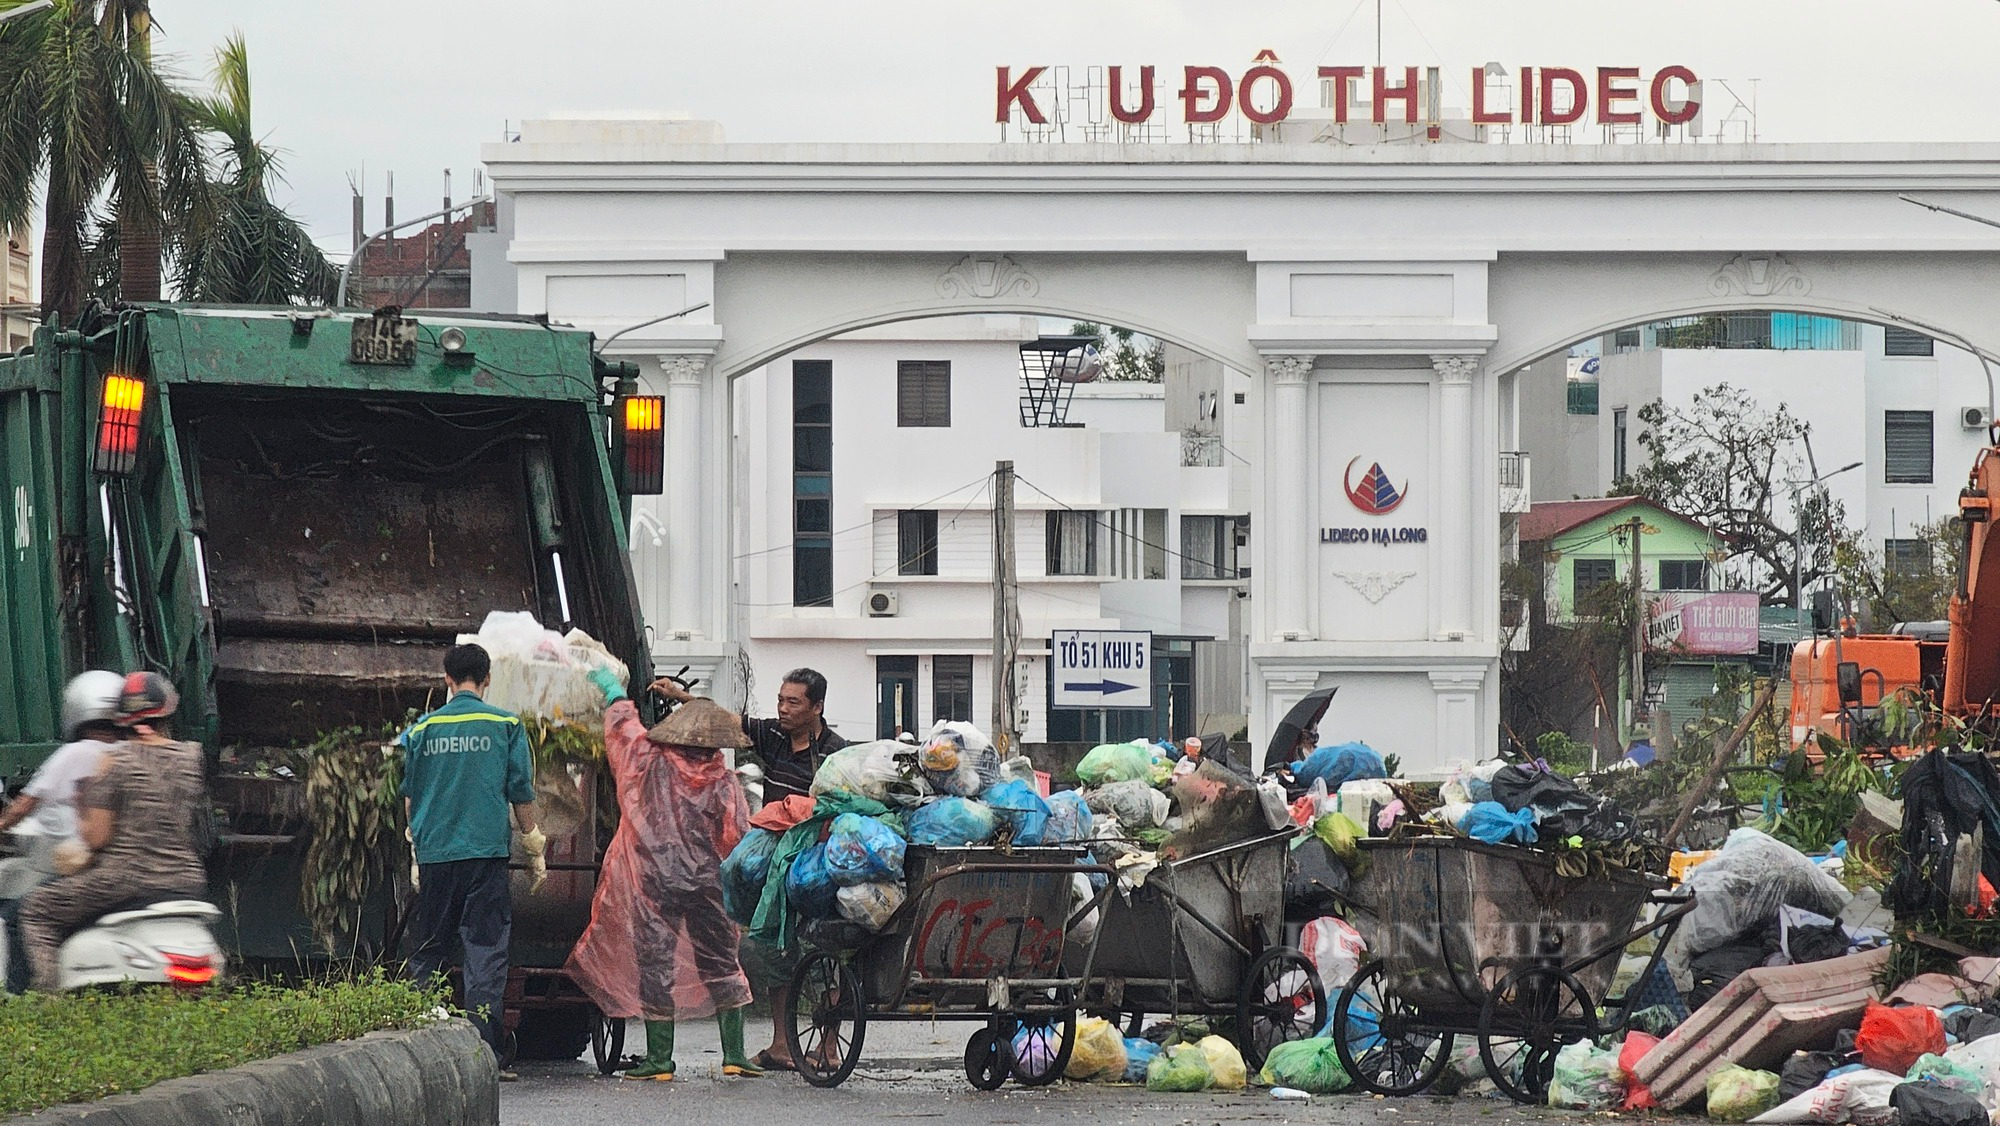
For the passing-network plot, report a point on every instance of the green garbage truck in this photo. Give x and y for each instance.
(291, 513)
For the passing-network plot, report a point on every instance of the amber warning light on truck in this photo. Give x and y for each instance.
(645, 439)
(118, 425)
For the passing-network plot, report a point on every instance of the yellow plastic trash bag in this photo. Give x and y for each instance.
(1225, 1063)
(1738, 1094)
(1099, 1055)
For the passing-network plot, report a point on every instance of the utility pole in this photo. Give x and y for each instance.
(1638, 528)
(1006, 613)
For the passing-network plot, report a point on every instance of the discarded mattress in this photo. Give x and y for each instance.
(1758, 1020)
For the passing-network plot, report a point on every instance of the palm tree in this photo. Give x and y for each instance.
(241, 247)
(82, 103)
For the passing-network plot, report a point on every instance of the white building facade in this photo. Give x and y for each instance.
(1912, 410)
(1383, 300)
(864, 523)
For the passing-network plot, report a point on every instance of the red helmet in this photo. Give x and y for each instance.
(147, 696)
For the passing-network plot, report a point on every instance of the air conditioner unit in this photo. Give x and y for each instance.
(1973, 418)
(883, 603)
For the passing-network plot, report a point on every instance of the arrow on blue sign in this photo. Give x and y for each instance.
(1102, 687)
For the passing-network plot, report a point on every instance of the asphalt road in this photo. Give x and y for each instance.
(914, 1075)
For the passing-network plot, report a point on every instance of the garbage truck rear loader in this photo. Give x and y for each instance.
(292, 513)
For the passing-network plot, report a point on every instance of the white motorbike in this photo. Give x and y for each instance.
(169, 942)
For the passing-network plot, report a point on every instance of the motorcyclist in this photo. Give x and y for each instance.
(46, 809)
(135, 830)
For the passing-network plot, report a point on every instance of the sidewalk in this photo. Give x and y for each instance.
(892, 1044)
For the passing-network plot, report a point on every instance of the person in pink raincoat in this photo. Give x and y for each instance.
(659, 945)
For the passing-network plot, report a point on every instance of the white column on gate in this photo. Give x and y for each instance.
(1455, 495)
(683, 500)
(1290, 526)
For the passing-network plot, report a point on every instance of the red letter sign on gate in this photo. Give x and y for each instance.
(1191, 94)
(1017, 91)
(1116, 86)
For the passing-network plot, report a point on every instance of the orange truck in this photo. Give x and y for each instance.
(1838, 684)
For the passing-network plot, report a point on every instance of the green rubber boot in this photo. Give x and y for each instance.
(659, 1062)
(734, 1062)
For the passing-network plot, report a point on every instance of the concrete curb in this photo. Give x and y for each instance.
(440, 1075)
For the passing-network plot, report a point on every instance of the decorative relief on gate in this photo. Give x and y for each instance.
(1374, 585)
(987, 276)
(1759, 275)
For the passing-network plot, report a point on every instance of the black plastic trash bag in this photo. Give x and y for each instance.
(1932, 1104)
(1562, 808)
(1971, 1024)
(1317, 885)
(1804, 1071)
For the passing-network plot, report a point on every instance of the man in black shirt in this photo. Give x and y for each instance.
(791, 747)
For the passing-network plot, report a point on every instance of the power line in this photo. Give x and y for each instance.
(1098, 519)
(983, 482)
(950, 522)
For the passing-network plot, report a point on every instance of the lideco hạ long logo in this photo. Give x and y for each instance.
(1376, 495)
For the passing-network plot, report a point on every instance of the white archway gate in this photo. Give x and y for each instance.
(1380, 293)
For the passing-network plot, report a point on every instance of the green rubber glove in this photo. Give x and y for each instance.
(608, 683)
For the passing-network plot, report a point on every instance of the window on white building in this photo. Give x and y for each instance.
(812, 482)
(1906, 447)
(1683, 574)
(923, 393)
(917, 541)
(951, 688)
(1906, 558)
(1906, 342)
(1137, 538)
(1072, 543)
(1618, 435)
(1208, 547)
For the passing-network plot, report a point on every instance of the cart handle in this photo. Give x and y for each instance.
(1684, 905)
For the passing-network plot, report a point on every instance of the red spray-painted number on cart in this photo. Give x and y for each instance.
(960, 940)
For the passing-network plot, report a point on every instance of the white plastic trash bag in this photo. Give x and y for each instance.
(1336, 950)
(1843, 1098)
(1136, 805)
(1742, 887)
(871, 904)
(868, 769)
(540, 672)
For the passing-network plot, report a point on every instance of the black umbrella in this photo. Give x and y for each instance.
(1304, 716)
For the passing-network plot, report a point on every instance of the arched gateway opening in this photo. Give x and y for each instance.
(1379, 299)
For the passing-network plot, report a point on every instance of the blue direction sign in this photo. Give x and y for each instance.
(1101, 668)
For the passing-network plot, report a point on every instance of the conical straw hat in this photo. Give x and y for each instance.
(700, 722)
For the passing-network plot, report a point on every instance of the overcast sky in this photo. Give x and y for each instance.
(415, 86)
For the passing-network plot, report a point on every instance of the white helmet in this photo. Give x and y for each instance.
(91, 698)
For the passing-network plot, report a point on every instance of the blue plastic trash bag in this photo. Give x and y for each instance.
(744, 872)
(862, 850)
(1138, 1053)
(1339, 764)
(1489, 821)
(1069, 819)
(951, 822)
(1018, 805)
(809, 886)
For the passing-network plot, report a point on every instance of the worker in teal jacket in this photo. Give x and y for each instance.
(464, 765)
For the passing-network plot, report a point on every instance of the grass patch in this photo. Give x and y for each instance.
(77, 1047)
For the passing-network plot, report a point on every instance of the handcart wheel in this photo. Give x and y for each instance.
(1530, 1016)
(1380, 1038)
(607, 1042)
(828, 1021)
(1281, 1000)
(985, 1061)
(1038, 1048)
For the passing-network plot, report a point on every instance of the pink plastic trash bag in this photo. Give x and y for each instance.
(659, 944)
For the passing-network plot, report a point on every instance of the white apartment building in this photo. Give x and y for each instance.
(864, 526)
(17, 289)
(1910, 409)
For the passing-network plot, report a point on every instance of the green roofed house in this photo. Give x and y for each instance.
(1583, 553)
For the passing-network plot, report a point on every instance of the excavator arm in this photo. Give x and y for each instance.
(1972, 654)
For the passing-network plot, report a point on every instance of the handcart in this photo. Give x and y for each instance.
(981, 937)
(1204, 936)
(1472, 939)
